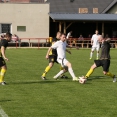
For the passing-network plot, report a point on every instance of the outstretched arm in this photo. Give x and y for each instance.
(3, 53)
(68, 51)
(70, 46)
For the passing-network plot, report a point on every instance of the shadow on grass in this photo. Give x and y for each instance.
(99, 77)
(33, 82)
(5, 100)
(96, 77)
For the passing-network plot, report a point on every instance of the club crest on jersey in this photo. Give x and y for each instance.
(52, 59)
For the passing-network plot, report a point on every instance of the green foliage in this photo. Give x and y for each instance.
(26, 95)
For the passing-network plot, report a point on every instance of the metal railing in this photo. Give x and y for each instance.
(46, 42)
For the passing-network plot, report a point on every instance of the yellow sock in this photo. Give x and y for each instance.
(109, 74)
(2, 73)
(89, 73)
(61, 68)
(46, 70)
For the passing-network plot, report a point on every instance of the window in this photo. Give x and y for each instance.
(95, 10)
(83, 10)
(5, 28)
(21, 28)
(5, 0)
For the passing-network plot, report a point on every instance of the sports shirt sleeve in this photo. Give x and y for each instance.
(55, 45)
(3, 43)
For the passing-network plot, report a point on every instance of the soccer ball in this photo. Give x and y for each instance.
(82, 80)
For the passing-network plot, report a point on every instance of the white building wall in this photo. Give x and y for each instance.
(34, 16)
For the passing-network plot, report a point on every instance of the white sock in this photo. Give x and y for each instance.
(91, 54)
(71, 72)
(57, 75)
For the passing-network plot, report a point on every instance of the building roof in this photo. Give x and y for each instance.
(110, 6)
(83, 17)
(65, 6)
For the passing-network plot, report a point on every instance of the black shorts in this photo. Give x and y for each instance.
(2, 62)
(105, 63)
(52, 59)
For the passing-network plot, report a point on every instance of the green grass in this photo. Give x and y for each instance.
(26, 95)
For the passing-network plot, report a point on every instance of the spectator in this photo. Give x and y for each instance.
(15, 38)
(106, 37)
(2, 35)
(81, 38)
(89, 36)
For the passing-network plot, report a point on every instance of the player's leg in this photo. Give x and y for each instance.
(106, 65)
(91, 53)
(3, 71)
(60, 61)
(47, 69)
(63, 63)
(58, 74)
(62, 75)
(97, 63)
(71, 71)
(90, 71)
(2, 74)
(97, 49)
(69, 65)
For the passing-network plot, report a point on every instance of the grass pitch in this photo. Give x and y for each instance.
(26, 95)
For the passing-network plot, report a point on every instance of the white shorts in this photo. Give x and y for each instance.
(95, 48)
(63, 62)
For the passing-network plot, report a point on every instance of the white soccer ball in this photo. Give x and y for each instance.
(82, 80)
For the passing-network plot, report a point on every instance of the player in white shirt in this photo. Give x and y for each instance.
(95, 44)
(61, 58)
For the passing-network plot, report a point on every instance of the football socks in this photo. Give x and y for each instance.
(46, 70)
(89, 73)
(2, 73)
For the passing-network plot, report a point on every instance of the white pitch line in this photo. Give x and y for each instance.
(2, 113)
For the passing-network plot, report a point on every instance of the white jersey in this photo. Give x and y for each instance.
(61, 49)
(95, 40)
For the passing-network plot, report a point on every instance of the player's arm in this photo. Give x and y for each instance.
(3, 52)
(55, 45)
(92, 40)
(68, 51)
(70, 46)
(47, 55)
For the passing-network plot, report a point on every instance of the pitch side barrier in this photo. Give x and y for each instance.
(31, 42)
(86, 42)
(46, 42)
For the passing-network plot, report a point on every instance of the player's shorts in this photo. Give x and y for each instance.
(63, 62)
(52, 59)
(105, 63)
(2, 62)
(95, 48)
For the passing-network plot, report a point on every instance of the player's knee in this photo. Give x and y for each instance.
(65, 70)
(51, 65)
(93, 66)
(69, 64)
(4, 67)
